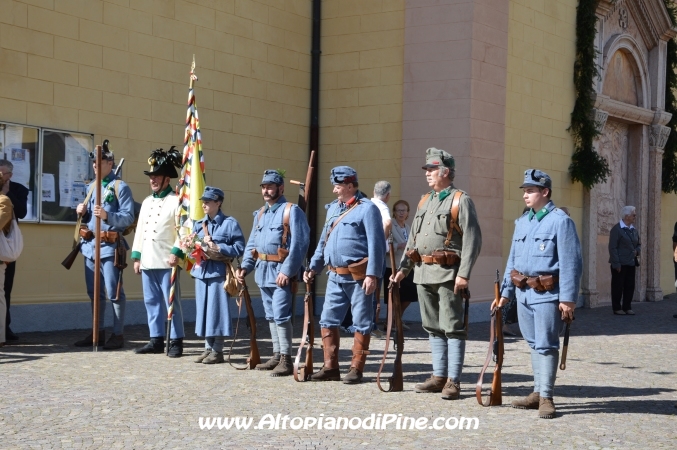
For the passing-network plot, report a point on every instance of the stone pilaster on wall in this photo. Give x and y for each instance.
(658, 137)
(455, 78)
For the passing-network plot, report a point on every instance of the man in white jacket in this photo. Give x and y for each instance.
(156, 250)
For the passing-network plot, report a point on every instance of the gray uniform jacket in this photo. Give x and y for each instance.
(429, 231)
(623, 243)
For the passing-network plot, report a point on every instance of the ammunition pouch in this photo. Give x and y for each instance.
(109, 237)
(414, 255)
(86, 233)
(540, 283)
(442, 258)
(358, 269)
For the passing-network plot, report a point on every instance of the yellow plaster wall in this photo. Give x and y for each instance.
(540, 98)
(119, 69)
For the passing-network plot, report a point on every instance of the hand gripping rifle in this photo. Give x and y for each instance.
(303, 372)
(77, 242)
(396, 381)
(254, 356)
(496, 348)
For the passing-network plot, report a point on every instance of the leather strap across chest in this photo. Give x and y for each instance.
(285, 233)
(454, 210)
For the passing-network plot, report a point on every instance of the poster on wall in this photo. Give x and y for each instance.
(20, 145)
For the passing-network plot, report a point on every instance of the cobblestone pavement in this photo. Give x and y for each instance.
(619, 391)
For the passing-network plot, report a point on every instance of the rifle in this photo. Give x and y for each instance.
(254, 356)
(496, 348)
(563, 363)
(77, 242)
(303, 373)
(396, 381)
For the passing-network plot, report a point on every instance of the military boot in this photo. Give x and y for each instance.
(155, 345)
(87, 342)
(202, 356)
(284, 368)
(114, 342)
(433, 384)
(546, 408)
(271, 363)
(176, 348)
(531, 401)
(451, 390)
(213, 358)
(360, 352)
(330, 344)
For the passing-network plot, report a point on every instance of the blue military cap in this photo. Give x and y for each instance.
(434, 157)
(343, 174)
(272, 176)
(212, 193)
(536, 178)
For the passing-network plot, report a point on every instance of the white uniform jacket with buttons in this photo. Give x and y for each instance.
(156, 233)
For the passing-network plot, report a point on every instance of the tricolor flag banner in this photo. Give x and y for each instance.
(192, 181)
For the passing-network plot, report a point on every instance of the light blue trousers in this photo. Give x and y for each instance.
(108, 285)
(156, 286)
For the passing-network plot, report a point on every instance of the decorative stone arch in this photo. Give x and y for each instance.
(633, 137)
(628, 45)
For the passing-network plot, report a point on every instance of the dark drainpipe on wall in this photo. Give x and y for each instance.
(314, 144)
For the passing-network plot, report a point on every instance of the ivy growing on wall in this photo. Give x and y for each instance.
(587, 166)
(669, 175)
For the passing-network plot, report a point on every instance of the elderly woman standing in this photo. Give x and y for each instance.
(400, 233)
(624, 249)
(6, 214)
(223, 235)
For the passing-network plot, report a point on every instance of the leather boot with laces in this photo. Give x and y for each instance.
(431, 385)
(330, 345)
(176, 348)
(202, 356)
(271, 363)
(531, 401)
(284, 368)
(546, 408)
(451, 390)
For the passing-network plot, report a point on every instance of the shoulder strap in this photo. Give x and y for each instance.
(285, 223)
(116, 187)
(422, 201)
(204, 228)
(338, 219)
(453, 223)
(263, 208)
(78, 222)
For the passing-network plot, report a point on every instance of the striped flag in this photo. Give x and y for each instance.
(192, 182)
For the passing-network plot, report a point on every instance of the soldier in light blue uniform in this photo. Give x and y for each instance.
(545, 243)
(275, 272)
(355, 230)
(116, 213)
(212, 319)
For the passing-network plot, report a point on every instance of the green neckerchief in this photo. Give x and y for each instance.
(104, 183)
(163, 193)
(540, 214)
(444, 193)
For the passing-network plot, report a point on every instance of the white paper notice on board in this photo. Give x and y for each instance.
(48, 194)
(78, 193)
(21, 160)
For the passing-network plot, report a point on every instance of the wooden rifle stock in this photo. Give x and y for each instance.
(396, 381)
(495, 397)
(303, 373)
(70, 259)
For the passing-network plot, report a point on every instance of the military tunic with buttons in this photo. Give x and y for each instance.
(428, 233)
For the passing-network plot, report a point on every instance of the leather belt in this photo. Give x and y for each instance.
(271, 258)
(430, 259)
(540, 283)
(339, 270)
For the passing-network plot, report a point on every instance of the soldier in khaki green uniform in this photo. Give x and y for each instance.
(443, 262)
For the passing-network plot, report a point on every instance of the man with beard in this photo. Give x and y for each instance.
(276, 247)
(156, 250)
(352, 246)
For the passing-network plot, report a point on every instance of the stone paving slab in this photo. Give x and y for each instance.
(619, 391)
